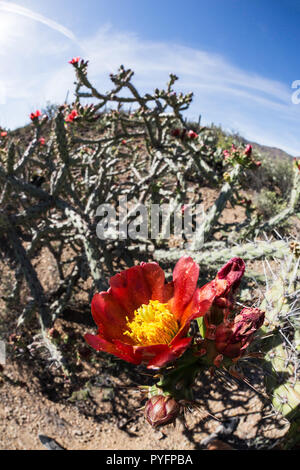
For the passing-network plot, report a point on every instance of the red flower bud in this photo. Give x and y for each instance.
(73, 114)
(42, 141)
(225, 285)
(192, 135)
(36, 115)
(233, 337)
(232, 272)
(248, 150)
(258, 163)
(161, 410)
(183, 208)
(74, 61)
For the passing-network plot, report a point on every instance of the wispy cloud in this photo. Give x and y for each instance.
(259, 108)
(19, 10)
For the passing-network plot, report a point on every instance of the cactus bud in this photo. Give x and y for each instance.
(161, 410)
(35, 116)
(233, 337)
(192, 135)
(248, 150)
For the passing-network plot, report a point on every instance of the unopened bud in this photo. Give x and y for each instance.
(161, 410)
(248, 150)
(233, 337)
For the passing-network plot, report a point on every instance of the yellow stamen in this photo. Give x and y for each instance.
(152, 324)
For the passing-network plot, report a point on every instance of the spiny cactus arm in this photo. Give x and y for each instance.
(14, 295)
(58, 306)
(22, 186)
(248, 251)
(91, 246)
(205, 170)
(110, 140)
(202, 234)
(281, 354)
(30, 274)
(26, 157)
(11, 154)
(111, 96)
(27, 312)
(289, 210)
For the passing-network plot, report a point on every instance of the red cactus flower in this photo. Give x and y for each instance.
(74, 61)
(224, 286)
(233, 337)
(142, 319)
(73, 114)
(226, 154)
(161, 410)
(248, 150)
(258, 163)
(36, 115)
(192, 135)
(42, 141)
(3, 134)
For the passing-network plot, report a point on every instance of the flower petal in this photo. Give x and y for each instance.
(232, 272)
(124, 352)
(109, 315)
(130, 288)
(155, 278)
(169, 354)
(185, 277)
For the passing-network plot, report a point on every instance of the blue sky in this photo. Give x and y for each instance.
(239, 57)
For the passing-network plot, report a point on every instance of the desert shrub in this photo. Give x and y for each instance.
(275, 174)
(268, 203)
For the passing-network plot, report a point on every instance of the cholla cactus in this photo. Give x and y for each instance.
(92, 155)
(280, 340)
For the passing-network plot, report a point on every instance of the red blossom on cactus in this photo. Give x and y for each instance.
(248, 150)
(224, 286)
(42, 141)
(74, 61)
(234, 336)
(36, 115)
(192, 135)
(3, 134)
(73, 114)
(143, 319)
